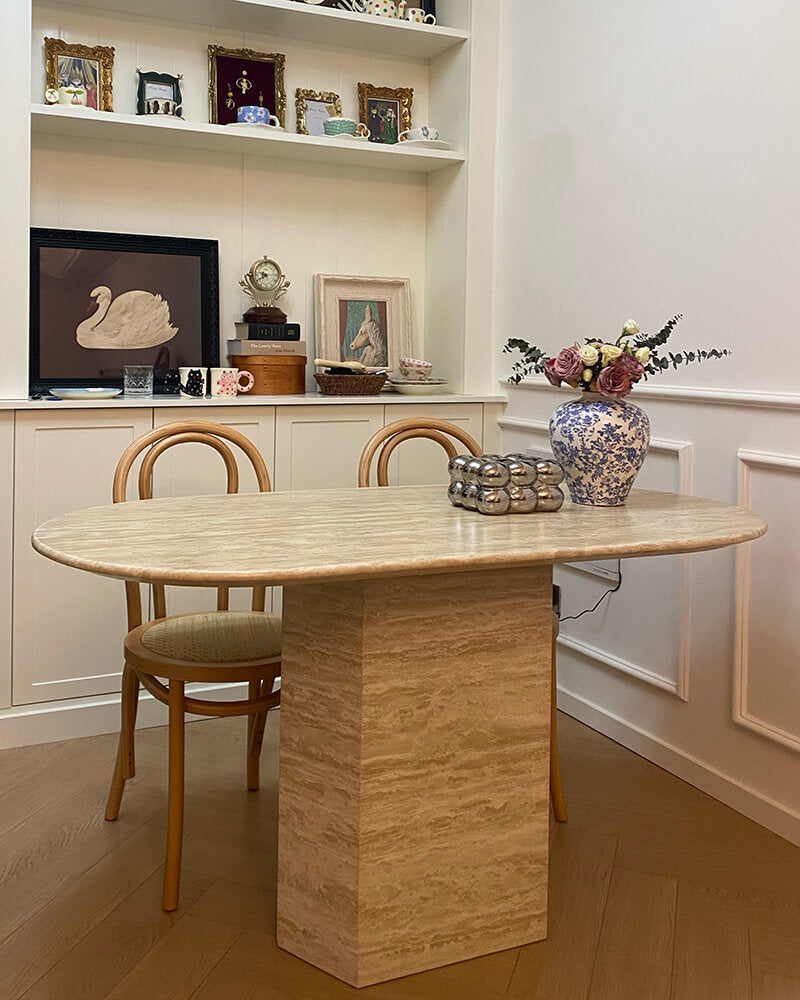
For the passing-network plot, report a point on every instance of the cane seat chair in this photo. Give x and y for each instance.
(383, 443)
(219, 646)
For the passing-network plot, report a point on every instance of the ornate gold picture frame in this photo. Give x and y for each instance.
(91, 65)
(310, 108)
(386, 111)
(241, 77)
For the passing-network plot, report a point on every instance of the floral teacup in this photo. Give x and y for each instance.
(415, 370)
(254, 114)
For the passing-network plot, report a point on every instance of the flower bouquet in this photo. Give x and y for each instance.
(600, 439)
(609, 369)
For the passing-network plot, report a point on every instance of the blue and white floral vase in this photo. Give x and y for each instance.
(601, 444)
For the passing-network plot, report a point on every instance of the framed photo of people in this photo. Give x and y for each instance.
(363, 319)
(79, 74)
(386, 111)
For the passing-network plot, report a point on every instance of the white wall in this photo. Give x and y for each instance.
(648, 165)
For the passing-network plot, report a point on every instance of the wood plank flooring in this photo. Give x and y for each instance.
(657, 892)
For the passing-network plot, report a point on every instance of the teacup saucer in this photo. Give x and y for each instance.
(427, 143)
(261, 126)
(347, 135)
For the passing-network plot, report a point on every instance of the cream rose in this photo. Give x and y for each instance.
(642, 355)
(589, 354)
(631, 328)
(609, 353)
(588, 375)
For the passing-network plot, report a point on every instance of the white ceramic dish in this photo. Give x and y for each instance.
(97, 392)
(427, 387)
(255, 126)
(426, 143)
(72, 109)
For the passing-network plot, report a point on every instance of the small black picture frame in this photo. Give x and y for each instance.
(154, 90)
(100, 301)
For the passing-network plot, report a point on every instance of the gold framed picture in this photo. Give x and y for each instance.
(79, 74)
(312, 106)
(240, 78)
(386, 111)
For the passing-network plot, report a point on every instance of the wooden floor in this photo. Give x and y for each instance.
(657, 891)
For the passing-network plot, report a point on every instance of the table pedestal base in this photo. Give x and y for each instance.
(414, 770)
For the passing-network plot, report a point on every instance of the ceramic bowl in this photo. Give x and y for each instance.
(414, 369)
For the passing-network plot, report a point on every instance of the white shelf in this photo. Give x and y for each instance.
(304, 399)
(288, 19)
(153, 131)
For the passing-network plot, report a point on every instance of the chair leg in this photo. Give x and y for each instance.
(125, 765)
(172, 868)
(255, 734)
(556, 787)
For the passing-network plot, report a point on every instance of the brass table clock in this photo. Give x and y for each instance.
(265, 284)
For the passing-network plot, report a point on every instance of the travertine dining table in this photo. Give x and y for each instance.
(413, 826)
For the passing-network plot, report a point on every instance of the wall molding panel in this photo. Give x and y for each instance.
(742, 715)
(684, 455)
(682, 394)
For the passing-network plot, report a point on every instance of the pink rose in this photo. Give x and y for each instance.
(633, 367)
(614, 381)
(552, 378)
(568, 365)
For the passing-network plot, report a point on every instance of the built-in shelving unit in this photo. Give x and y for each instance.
(287, 19)
(253, 141)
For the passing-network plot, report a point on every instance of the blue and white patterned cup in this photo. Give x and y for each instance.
(254, 114)
(423, 132)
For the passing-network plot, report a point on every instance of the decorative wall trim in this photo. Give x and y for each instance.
(742, 715)
(685, 456)
(746, 800)
(706, 395)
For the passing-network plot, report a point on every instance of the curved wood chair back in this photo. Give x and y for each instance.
(389, 437)
(155, 443)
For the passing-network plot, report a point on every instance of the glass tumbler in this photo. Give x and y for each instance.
(138, 380)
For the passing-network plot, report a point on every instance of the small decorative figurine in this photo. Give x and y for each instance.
(265, 284)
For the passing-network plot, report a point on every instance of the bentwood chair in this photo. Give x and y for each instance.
(383, 443)
(219, 646)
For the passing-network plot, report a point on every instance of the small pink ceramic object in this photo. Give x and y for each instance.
(414, 369)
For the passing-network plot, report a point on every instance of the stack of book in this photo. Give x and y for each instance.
(267, 339)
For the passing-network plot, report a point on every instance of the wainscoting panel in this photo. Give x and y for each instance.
(766, 690)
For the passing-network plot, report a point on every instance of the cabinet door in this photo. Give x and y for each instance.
(422, 462)
(68, 624)
(195, 469)
(318, 447)
(6, 549)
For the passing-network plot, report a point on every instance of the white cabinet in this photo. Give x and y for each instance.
(422, 462)
(68, 626)
(317, 447)
(191, 469)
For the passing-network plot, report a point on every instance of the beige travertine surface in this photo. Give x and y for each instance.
(280, 538)
(414, 770)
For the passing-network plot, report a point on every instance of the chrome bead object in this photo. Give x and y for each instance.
(505, 484)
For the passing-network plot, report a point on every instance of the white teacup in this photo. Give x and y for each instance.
(414, 369)
(380, 8)
(193, 381)
(227, 381)
(418, 14)
(423, 132)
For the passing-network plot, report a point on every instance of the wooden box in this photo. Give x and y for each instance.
(275, 375)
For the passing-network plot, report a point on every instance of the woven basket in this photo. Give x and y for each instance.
(349, 385)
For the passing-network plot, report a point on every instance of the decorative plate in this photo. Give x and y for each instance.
(96, 392)
(426, 143)
(428, 387)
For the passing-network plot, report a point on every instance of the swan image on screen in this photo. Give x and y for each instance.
(132, 320)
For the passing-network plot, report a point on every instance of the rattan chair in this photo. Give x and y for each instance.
(383, 443)
(220, 646)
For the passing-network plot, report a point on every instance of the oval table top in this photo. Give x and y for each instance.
(322, 535)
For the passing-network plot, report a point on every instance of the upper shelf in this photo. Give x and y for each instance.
(289, 19)
(156, 131)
